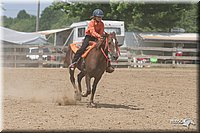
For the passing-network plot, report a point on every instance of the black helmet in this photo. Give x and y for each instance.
(98, 13)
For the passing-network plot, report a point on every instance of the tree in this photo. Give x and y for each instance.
(23, 15)
(24, 25)
(137, 16)
(143, 17)
(51, 18)
(189, 20)
(24, 22)
(7, 21)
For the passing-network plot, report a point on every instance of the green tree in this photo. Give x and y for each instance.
(189, 19)
(23, 15)
(137, 16)
(7, 21)
(80, 9)
(51, 19)
(24, 25)
(144, 17)
(23, 22)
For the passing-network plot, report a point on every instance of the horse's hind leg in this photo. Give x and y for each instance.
(72, 79)
(79, 77)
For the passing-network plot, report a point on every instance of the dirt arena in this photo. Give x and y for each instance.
(129, 99)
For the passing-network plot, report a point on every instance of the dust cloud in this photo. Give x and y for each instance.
(18, 84)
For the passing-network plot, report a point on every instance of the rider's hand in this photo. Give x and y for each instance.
(100, 38)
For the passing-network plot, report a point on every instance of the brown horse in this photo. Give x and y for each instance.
(93, 65)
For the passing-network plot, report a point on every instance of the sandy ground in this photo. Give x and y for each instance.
(128, 99)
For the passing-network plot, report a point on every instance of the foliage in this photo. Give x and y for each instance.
(23, 15)
(145, 17)
(24, 22)
(189, 20)
(157, 17)
(51, 19)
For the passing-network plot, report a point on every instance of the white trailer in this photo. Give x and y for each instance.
(110, 26)
(76, 32)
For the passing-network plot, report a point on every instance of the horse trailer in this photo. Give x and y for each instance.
(76, 32)
(109, 26)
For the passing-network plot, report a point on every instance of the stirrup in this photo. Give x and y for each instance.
(72, 66)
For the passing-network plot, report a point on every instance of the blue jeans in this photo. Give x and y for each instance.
(83, 47)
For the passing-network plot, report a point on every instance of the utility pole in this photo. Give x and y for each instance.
(38, 15)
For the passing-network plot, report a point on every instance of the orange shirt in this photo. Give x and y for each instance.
(95, 28)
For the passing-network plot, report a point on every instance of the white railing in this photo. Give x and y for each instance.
(16, 56)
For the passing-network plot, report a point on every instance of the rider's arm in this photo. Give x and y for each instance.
(102, 29)
(92, 29)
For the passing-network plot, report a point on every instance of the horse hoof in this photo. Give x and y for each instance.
(92, 105)
(85, 94)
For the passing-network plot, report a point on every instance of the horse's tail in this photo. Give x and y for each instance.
(68, 57)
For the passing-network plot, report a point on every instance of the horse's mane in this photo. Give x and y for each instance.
(102, 42)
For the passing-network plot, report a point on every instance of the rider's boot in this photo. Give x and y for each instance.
(109, 68)
(73, 65)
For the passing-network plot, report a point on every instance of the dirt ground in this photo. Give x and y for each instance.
(146, 99)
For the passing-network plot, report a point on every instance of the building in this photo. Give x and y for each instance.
(11, 40)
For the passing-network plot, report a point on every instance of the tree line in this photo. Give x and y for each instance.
(142, 17)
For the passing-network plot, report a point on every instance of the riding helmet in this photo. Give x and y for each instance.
(97, 13)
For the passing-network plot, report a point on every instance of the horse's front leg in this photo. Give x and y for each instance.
(94, 86)
(87, 80)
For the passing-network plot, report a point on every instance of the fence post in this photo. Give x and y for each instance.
(174, 55)
(129, 58)
(40, 60)
(15, 58)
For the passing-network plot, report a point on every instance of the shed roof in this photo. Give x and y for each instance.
(170, 37)
(47, 32)
(16, 37)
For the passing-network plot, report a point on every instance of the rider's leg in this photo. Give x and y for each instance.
(79, 52)
(109, 68)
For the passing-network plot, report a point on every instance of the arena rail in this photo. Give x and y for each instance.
(18, 56)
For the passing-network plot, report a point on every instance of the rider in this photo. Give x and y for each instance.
(94, 32)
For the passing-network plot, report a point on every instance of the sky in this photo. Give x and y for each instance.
(12, 7)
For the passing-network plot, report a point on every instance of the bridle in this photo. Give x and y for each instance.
(107, 39)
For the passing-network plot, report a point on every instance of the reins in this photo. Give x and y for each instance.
(106, 41)
(103, 51)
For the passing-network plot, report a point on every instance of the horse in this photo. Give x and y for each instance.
(93, 65)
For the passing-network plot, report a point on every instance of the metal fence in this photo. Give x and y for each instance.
(129, 57)
(20, 56)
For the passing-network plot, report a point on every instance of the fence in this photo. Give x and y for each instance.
(20, 56)
(129, 59)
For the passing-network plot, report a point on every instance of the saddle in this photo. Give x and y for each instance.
(75, 46)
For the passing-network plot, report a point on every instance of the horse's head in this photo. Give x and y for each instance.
(111, 44)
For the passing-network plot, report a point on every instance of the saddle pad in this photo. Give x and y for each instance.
(76, 46)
